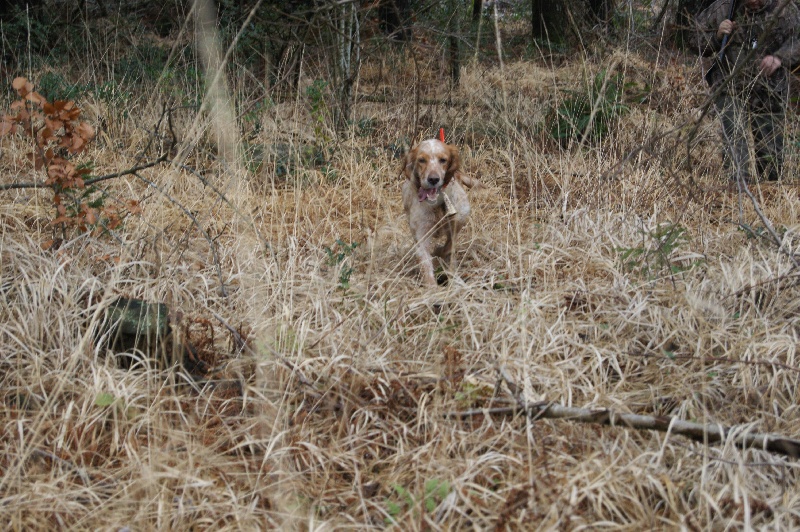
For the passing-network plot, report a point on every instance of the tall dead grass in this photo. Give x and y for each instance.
(336, 413)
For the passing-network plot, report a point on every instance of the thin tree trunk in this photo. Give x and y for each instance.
(348, 40)
(454, 28)
(477, 9)
(547, 21)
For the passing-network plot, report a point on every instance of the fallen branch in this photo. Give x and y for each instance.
(79, 472)
(93, 180)
(705, 433)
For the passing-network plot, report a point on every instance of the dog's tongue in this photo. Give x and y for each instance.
(427, 194)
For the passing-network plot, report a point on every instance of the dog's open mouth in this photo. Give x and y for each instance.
(430, 194)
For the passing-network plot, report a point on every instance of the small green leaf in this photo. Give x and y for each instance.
(430, 504)
(393, 509)
(104, 399)
(403, 493)
(435, 492)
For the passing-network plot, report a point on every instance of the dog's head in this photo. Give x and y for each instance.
(431, 165)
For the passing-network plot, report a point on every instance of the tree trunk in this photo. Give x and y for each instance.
(477, 9)
(454, 28)
(348, 41)
(548, 20)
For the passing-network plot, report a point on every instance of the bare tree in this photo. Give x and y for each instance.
(454, 30)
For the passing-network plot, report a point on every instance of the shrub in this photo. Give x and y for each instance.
(57, 134)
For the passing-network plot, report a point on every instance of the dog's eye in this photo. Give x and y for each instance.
(443, 160)
(422, 160)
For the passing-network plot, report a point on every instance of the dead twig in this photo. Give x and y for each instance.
(764, 220)
(67, 464)
(92, 181)
(701, 432)
(242, 345)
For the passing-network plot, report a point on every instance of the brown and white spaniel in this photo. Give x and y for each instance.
(435, 200)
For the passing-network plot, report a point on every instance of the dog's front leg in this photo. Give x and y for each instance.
(445, 251)
(424, 245)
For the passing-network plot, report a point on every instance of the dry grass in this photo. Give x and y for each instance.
(334, 416)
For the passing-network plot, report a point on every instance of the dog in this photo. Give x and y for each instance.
(435, 201)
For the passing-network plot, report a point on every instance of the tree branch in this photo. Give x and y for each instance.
(91, 181)
(704, 433)
(87, 182)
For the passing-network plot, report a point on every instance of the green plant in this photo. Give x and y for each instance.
(654, 255)
(104, 399)
(253, 115)
(56, 87)
(319, 107)
(339, 258)
(588, 114)
(43, 27)
(144, 62)
(366, 127)
(176, 74)
(435, 491)
(116, 407)
(396, 509)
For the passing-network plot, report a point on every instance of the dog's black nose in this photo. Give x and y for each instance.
(433, 180)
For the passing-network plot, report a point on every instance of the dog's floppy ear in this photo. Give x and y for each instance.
(454, 163)
(408, 164)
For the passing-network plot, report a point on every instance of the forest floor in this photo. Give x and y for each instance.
(338, 392)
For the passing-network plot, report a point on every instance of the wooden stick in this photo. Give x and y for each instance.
(705, 433)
